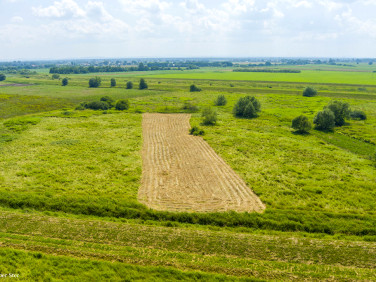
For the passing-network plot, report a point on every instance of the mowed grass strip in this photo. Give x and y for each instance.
(261, 256)
(36, 266)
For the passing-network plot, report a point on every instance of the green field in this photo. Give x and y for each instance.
(69, 180)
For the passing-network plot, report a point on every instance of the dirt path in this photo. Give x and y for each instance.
(182, 172)
(15, 85)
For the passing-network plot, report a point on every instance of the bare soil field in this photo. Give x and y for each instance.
(182, 172)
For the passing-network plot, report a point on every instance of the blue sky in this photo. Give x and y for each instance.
(61, 29)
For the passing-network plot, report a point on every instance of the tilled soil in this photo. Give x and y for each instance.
(182, 172)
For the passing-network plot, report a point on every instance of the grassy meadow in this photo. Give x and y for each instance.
(69, 180)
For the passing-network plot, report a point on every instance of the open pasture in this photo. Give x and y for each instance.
(88, 164)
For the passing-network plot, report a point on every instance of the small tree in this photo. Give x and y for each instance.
(2, 77)
(113, 82)
(194, 88)
(108, 100)
(340, 110)
(359, 115)
(55, 76)
(221, 100)
(95, 82)
(143, 84)
(122, 105)
(324, 120)
(209, 116)
(309, 92)
(64, 82)
(129, 85)
(301, 124)
(247, 107)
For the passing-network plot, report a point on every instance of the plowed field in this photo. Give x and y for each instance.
(182, 172)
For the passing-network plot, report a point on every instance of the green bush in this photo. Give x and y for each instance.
(209, 116)
(309, 92)
(2, 77)
(129, 85)
(221, 100)
(358, 115)
(122, 105)
(194, 88)
(97, 105)
(95, 82)
(340, 110)
(301, 124)
(324, 120)
(195, 130)
(247, 107)
(55, 76)
(143, 84)
(64, 82)
(113, 82)
(189, 107)
(108, 100)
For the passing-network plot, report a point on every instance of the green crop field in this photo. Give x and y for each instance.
(69, 179)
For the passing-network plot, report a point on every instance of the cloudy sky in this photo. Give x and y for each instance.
(31, 29)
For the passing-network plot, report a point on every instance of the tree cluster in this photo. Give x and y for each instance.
(247, 107)
(105, 103)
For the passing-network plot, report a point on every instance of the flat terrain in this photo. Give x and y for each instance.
(182, 172)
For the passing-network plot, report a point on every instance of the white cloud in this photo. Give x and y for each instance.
(16, 19)
(62, 9)
(142, 6)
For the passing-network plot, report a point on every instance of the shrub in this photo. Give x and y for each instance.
(189, 107)
(122, 105)
(194, 88)
(301, 124)
(309, 92)
(95, 82)
(108, 100)
(97, 105)
(55, 76)
(81, 106)
(340, 110)
(360, 115)
(129, 85)
(209, 116)
(113, 82)
(143, 84)
(195, 130)
(247, 107)
(64, 82)
(221, 100)
(324, 120)
(2, 77)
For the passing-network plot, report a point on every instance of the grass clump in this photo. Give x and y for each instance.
(196, 131)
(209, 116)
(358, 115)
(221, 100)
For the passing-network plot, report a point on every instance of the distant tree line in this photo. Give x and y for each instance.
(266, 70)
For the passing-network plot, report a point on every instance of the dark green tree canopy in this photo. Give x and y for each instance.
(64, 82)
(309, 92)
(360, 115)
(95, 82)
(324, 120)
(194, 88)
(108, 100)
(143, 84)
(113, 82)
(340, 110)
(2, 77)
(122, 105)
(301, 124)
(247, 107)
(129, 85)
